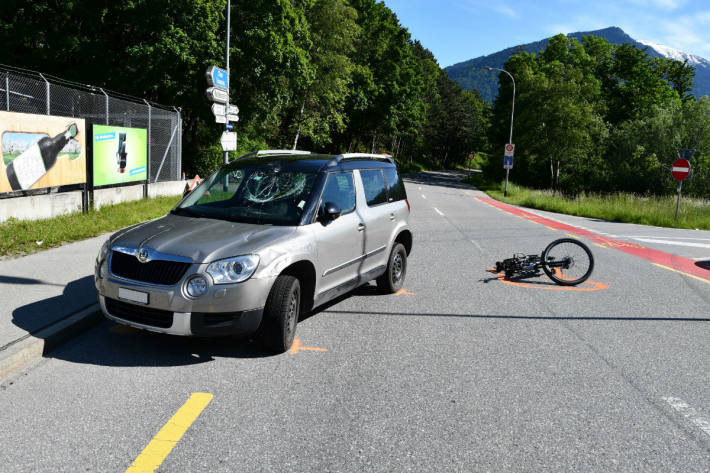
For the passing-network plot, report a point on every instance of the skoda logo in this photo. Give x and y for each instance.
(143, 255)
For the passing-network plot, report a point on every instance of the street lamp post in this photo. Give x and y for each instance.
(512, 113)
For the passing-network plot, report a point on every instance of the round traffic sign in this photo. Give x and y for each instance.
(509, 147)
(681, 169)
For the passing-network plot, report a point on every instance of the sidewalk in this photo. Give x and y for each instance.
(44, 298)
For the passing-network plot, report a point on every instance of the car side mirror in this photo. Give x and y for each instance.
(330, 212)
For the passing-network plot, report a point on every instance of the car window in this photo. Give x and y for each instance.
(374, 185)
(395, 186)
(340, 190)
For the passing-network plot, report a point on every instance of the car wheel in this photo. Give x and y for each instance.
(393, 279)
(278, 326)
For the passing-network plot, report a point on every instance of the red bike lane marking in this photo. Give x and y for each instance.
(662, 258)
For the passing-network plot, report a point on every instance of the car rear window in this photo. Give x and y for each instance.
(374, 184)
(395, 186)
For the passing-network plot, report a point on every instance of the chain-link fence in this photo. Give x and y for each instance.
(31, 92)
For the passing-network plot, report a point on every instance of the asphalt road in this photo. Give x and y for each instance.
(461, 372)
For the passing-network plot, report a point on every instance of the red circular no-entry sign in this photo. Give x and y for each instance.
(681, 169)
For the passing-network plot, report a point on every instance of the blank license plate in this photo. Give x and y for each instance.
(135, 296)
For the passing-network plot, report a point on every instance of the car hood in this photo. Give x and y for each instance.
(203, 240)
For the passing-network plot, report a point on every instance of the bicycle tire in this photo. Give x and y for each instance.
(562, 246)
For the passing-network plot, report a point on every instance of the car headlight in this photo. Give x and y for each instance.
(104, 250)
(231, 270)
(196, 286)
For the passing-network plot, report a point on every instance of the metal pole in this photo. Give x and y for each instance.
(46, 85)
(147, 164)
(178, 143)
(7, 90)
(512, 114)
(178, 168)
(512, 111)
(510, 138)
(102, 91)
(165, 155)
(677, 205)
(229, 5)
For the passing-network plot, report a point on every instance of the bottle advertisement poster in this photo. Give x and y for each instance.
(39, 151)
(119, 154)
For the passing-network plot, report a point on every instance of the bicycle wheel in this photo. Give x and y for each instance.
(567, 261)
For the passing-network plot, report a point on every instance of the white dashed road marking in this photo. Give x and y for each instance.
(423, 197)
(689, 413)
(439, 211)
(475, 243)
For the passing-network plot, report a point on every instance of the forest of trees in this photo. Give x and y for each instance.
(344, 75)
(323, 75)
(593, 116)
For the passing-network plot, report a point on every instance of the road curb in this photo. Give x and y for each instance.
(33, 346)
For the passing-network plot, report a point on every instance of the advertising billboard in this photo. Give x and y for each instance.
(119, 154)
(41, 151)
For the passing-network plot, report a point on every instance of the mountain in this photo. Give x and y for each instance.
(471, 75)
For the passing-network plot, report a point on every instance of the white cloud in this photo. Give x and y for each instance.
(506, 10)
(475, 6)
(667, 5)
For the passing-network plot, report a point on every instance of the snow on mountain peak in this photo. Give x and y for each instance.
(676, 54)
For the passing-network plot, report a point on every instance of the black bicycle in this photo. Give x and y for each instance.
(566, 261)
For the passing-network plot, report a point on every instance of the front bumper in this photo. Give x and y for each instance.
(182, 323)
(229, 309)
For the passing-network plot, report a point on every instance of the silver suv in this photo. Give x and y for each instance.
(266, 238)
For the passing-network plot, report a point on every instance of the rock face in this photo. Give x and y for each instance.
(470, 75)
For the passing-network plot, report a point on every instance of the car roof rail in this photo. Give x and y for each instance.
(264, 152)
(271, 152)
(375, 157)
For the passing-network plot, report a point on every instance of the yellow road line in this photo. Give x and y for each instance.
(681, 272)
(162, 444)
(600, 246)
(550, 228)
(573, 236)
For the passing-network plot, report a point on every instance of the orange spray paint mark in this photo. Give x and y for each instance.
(296, 347)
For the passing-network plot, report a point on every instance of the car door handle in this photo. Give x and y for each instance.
(360, 227)
(391, 216)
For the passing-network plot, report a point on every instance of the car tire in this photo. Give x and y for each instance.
(393, 279)
(278, 325)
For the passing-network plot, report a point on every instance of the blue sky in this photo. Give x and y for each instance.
(457, 30)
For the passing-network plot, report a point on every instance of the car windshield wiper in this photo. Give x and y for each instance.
(188, 212)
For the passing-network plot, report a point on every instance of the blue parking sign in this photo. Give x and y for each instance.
(507, 162)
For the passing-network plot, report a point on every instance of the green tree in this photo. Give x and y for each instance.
(387, 80)
(320, 104)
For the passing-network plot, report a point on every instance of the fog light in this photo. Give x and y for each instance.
(196, 286)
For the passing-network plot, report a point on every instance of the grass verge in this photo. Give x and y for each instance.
(620, 207)
(19, 237)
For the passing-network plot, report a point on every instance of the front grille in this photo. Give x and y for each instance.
(154, 272)
(139, 314)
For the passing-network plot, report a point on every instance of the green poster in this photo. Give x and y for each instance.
(120, 154)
